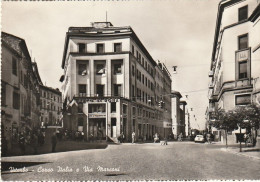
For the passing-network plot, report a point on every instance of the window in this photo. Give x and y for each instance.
(117, 68)
(14, 64)
(142, 61)
(133, 49)
(117, 47)
(100, 69)
(82, 69)
(80, 107)
(100, 48)
(82, 48)
(134, 111)
(242, 69)
(124, 109)
(243, 99)
(82, 89)
(142, 78)
(3, 94)
(133, 70)
(117, 90)
(113, 106)
(243, 42)
(101, 108)
(242, 13)
(80, 121)
(16, 100)
(133, 91)
(100, 90)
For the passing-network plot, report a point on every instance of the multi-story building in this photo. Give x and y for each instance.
(111, 84)
(19, 89)
(234, 74)
(51, 103)
(51, 106)
(178, 114)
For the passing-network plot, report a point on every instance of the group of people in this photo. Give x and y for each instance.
(33, 139)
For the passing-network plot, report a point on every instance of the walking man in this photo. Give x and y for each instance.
(133, 137)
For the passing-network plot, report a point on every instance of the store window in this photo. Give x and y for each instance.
(97, 108)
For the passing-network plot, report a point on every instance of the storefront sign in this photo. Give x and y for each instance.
(99, 100)
(97, 115)
(167, 124)
(243, 55)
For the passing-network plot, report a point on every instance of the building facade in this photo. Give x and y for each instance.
(19, 89)
(51, 106)
(234, 74)
(111, 84)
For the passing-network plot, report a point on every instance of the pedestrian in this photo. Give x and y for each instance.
(133, 137)
(156, 138)
(208, 138)
(82, 135)
(180, 137)
(122, 137)
(54, 141)
(22, 143)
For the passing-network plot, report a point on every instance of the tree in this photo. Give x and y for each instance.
(224, 121)
(242, 116)
(249, 118)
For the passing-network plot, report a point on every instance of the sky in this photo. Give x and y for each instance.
(176, 32)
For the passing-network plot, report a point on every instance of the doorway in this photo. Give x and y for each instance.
(113, 124)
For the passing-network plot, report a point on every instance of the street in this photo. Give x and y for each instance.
(149, 161)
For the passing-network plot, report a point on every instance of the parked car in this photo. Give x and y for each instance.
(199, 138)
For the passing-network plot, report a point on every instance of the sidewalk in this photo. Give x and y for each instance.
(250, 152)
(62, 146)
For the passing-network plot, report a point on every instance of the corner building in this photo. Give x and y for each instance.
(235, 65)
(111, 84)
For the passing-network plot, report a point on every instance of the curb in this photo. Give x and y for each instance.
(239, 153)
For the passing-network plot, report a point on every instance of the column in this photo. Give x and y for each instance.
(92, 85)
(109, 77)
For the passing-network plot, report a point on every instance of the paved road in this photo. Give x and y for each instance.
(175, 161)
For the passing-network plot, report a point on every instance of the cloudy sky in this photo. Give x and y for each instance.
(176, 32)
